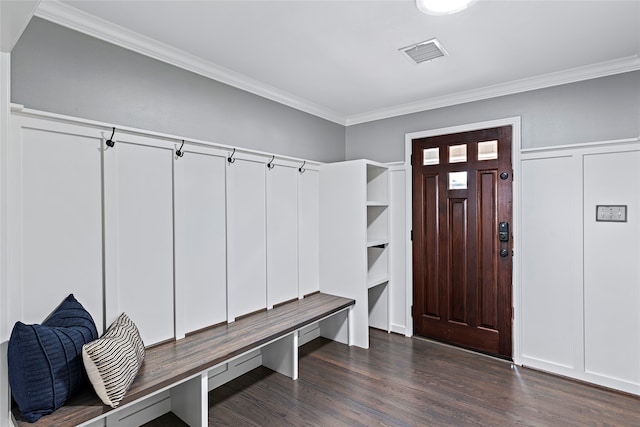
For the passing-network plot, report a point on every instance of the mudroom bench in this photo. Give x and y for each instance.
(182, 367)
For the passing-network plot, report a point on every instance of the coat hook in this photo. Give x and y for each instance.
(179, 152)
(110, 142)
(270, 165)
(230, 159)
(301, 169)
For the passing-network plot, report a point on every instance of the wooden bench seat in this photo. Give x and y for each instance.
(182, 365)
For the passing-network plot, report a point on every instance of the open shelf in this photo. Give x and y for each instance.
(377, 242)
(377, 281)
(355, 210)
(377, 183)
(377, 265)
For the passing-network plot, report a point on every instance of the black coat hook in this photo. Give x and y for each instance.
(270, 165)
(301, 169)
(230, 159)
(110, 142)
(179, 152)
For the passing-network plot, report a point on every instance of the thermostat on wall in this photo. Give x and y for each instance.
(611, 213)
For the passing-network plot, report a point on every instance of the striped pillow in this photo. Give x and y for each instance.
(112, 361)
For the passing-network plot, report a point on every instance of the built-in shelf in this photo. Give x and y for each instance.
(354, 205)
(377, 242)
(377, 281)
(377, 245)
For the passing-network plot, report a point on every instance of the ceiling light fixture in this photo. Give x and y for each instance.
(443, 7)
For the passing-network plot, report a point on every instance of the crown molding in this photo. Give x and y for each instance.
(602, 69)
(75, 19)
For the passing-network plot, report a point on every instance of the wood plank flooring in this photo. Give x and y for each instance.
(410, 382)
(402, 381)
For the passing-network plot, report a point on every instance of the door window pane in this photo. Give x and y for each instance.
(488, 150)
(431, 156)
(458, 180)
(457, 153)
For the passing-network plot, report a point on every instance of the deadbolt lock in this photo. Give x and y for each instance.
(503, 231)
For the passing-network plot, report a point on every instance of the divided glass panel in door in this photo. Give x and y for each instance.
(431, 156)
(458, 153)
(488, 150)
(458, 180)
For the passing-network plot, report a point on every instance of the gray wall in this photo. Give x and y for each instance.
(59, 70)
(594, 110)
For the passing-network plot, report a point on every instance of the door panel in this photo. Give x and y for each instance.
(487, 273)
(458, 275)
(462, 284)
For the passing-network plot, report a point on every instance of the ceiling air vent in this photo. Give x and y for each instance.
(424, 51)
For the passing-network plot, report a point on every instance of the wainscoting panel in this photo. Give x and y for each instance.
(177, 243)
(308, 232)
(397, 260)
(56, 222)
(246, 238)
(612, 267)
(548, 300)
(282, 234)
(580, 298)
(139, 238)
(200, 240)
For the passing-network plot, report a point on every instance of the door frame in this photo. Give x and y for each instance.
(516, 146)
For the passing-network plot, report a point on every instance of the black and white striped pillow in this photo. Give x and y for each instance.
(113, 360)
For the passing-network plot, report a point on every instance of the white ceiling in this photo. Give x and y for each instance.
(340, 59)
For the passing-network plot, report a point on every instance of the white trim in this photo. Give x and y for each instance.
(176, 139)
(393, 327)
(75, 19)
(516, 144)
(596, 144)
(602, 69)
(5, 111)
(70, 17)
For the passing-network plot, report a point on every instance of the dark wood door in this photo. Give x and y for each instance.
(462, 265)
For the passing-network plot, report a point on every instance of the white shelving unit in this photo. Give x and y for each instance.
(354, 241)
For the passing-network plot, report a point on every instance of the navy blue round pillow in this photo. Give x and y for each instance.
(45, 361)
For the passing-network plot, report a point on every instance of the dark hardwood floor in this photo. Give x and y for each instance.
(412, 382)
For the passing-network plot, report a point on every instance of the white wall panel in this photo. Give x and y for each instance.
(200, 241)
(343, 241)
(246, 237)
(5, 98)
(612, 268)
(282, 234)
(548, 302)
(397, 248)
(308, 232)
(61, 222)
(139, 237)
